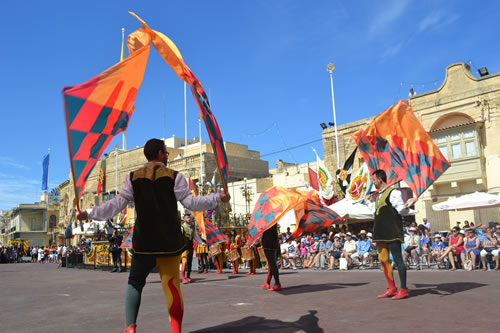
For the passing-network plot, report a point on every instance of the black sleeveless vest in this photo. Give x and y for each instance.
(157, 228)
(388, 226)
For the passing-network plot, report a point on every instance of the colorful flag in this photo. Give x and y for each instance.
(324, 179)
(315, 218)
(344, 173)
(397, 143)
(313, 179)
(124, 217)
(45, 176)
(360, 184)
(102, 179)
(272, 206)
(170, 53)
(213, 235)
(127, 241)
(101, 108)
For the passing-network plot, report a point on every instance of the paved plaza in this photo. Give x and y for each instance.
(46, 299)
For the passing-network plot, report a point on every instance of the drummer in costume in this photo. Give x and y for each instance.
(271, 245)
(252, 263)
(202, 252)
(219, 258)
(235, 245)
(388, 231)
(157, 241)
(189, 233)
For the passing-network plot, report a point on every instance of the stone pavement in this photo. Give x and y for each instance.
(45, 299)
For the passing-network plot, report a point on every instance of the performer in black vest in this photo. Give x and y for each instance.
(157, 240)
(388, 231)
(189, 232)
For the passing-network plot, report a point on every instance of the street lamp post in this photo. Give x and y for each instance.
(330, 69)
(246, 191)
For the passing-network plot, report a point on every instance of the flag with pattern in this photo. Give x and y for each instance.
(214, 235)
(272, 206)
(99, 109)
(315, 218)
(127, 241)
(171, 54)
(396, 142)
(102, 178)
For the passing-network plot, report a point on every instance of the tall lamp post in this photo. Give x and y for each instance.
(246, 191)
(329, 68)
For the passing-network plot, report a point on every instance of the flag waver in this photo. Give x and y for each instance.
(101, 108)
(396, 142)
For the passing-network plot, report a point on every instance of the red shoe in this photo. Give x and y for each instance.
(189, 280)
(205, 271)
(130, 329)
(185, 281)
(249, 273)
(389, 293)
(402, 293)
(265, 286)
(275, 287)
(219, 272)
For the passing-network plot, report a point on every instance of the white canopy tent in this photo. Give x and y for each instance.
(88, 228)
(476, 200)
(352, 211)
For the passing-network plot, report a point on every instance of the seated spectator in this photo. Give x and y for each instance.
(455, 247)
(471, 248)
(437, 249)
(489, 245)
(496, 253)
(349, 248)
(425, 244)
(313, 251)
(335, 251)
(363, 246)
(373, 253)
(292, 252)
(412, 247)
(285, 263)
(322, 257)
(302, 252)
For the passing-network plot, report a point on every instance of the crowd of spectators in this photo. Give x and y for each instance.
(353, 247)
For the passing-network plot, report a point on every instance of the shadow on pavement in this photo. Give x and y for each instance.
(444, 289)
(307, 288)
(307, 323)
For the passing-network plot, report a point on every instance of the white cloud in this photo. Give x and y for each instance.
(15, 190)
(386, 16)
(393, 50)
(429, 21)
(8, 161)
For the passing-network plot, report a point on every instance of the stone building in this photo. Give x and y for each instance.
(463, 118)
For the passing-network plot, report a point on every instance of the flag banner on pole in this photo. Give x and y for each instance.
(344, 174)
(314, 219)
(102, 178)
(170, 53)
(360, 185)
(324, 179)
(213, 234)
(45, 175)
(100, 108)
(272, 206)
(313, 179)
(127, 241)
(397, 143)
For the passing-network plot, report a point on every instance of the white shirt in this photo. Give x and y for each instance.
(396, 200)
(292, 247)
(182, 193)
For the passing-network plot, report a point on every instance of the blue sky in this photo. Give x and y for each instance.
(263, 64)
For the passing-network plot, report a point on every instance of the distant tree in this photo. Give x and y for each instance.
(54, 196)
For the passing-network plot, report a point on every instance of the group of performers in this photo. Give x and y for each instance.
(160, 241)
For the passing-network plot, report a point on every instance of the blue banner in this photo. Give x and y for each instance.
(45, 177)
